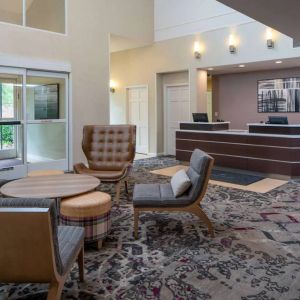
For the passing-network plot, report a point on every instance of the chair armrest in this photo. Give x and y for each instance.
(127, 170)
(80, 168)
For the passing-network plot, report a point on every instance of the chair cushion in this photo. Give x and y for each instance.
(180, 183)
(45, 173)
(70, 239)
(157, 195)
(102, 175)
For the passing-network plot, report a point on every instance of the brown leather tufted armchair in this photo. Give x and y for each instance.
(110, 151)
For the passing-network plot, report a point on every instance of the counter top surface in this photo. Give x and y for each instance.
(212, 123)
(240, 132)
(273, 125)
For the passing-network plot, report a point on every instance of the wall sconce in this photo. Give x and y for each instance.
(270, 40)
(112, 85)
(232, 44)
(197, 50)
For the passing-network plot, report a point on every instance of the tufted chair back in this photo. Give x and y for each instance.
(109, 147)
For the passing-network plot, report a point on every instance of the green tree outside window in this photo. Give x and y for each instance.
(7, 111)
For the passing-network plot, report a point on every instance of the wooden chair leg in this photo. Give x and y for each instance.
(136, 223)
(202, 215)
(99, 244)
(81, 264)
(118, 188)
(55, 290)
(126, 190)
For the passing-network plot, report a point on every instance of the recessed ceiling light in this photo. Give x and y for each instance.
(210, 69)
(241, 66)
(278, 62)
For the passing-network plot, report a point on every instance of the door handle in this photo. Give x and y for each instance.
(10, 123)
(7, 169)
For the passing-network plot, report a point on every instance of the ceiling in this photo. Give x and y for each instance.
(282, 15)
(256, 66)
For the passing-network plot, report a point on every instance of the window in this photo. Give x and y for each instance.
(41, 14)
(7, 100)
(10, 111)
(11, 11)
(46, 14)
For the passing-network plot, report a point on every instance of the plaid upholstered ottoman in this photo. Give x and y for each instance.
(91, 211)
(45, 173)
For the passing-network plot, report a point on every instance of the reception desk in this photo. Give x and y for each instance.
(263, 148)
(207, 126)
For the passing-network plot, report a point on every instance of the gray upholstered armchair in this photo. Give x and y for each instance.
(33, 248)
(160, 197)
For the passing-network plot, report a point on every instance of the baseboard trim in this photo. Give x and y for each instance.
(156, 154)
(161, 154)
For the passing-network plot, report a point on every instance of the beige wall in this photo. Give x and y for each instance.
(86, 48)
(133, 19)
(235, 97)
(141, 66)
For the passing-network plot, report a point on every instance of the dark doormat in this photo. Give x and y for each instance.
(235, 178)
(9, 163)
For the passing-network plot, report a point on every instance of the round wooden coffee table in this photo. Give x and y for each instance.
(54, 186)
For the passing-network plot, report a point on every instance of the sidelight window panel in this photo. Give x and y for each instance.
(41, 14)
(46, 14)
(11, 11)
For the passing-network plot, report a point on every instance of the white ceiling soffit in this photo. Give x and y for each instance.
(282, 15)
(177, 18)
(256, 66)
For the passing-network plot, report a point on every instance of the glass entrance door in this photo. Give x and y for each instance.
(47, 115)
(34, 131)
(12, 164)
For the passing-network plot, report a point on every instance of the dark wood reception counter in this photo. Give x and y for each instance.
(289, 129)
(207, 126)
(268, 153)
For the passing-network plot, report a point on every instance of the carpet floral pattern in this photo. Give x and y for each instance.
(254, 256)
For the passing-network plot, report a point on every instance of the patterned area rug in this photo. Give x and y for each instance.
(255, 254)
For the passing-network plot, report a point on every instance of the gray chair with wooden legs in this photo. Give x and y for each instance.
(110, 151)
(33, 248)
(160, 197)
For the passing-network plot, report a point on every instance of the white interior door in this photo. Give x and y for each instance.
(178, 110)
(138, 115)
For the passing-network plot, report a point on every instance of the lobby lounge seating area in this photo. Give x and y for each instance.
(256, 240)
(149, 150)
